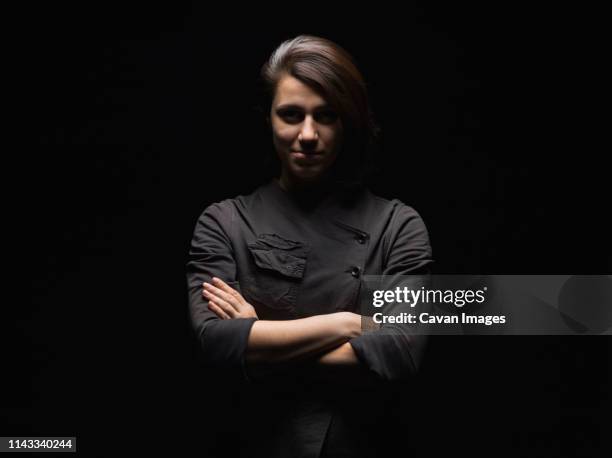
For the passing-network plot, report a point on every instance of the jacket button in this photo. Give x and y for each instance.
(355, 271)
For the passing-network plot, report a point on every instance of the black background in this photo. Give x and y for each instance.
(136, 117)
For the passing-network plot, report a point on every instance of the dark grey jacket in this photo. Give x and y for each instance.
(293, 258)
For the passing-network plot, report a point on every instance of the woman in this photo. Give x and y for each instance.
(274, 277)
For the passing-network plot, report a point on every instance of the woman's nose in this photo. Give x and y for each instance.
(308, 133)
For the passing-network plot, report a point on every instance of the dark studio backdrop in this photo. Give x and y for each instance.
(140, 116)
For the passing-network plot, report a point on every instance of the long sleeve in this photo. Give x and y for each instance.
(222, 342)
(394, 351)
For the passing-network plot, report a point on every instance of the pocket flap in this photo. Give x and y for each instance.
(273, 252)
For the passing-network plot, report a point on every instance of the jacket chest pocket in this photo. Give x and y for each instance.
(279, 266)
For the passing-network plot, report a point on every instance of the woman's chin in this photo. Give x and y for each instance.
(307, 173)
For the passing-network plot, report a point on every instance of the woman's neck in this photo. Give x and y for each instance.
(307, 191)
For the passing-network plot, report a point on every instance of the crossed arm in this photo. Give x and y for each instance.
(319, 343)
(322, 338)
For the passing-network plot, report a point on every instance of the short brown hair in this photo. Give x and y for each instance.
(329, 70)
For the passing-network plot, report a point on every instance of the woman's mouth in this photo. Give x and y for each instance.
(306, 154)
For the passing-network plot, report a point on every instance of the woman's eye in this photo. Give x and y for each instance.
(327, 117)
(290, 115)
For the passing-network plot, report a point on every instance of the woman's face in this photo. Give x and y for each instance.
(306, 131)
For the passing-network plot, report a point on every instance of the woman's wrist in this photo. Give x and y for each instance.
(350, 323)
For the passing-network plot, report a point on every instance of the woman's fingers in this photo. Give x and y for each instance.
(228, 294)
(218, 311)
(228, 289)
(228, 300)
(229, 309)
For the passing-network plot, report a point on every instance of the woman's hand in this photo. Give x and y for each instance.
(226, 302)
